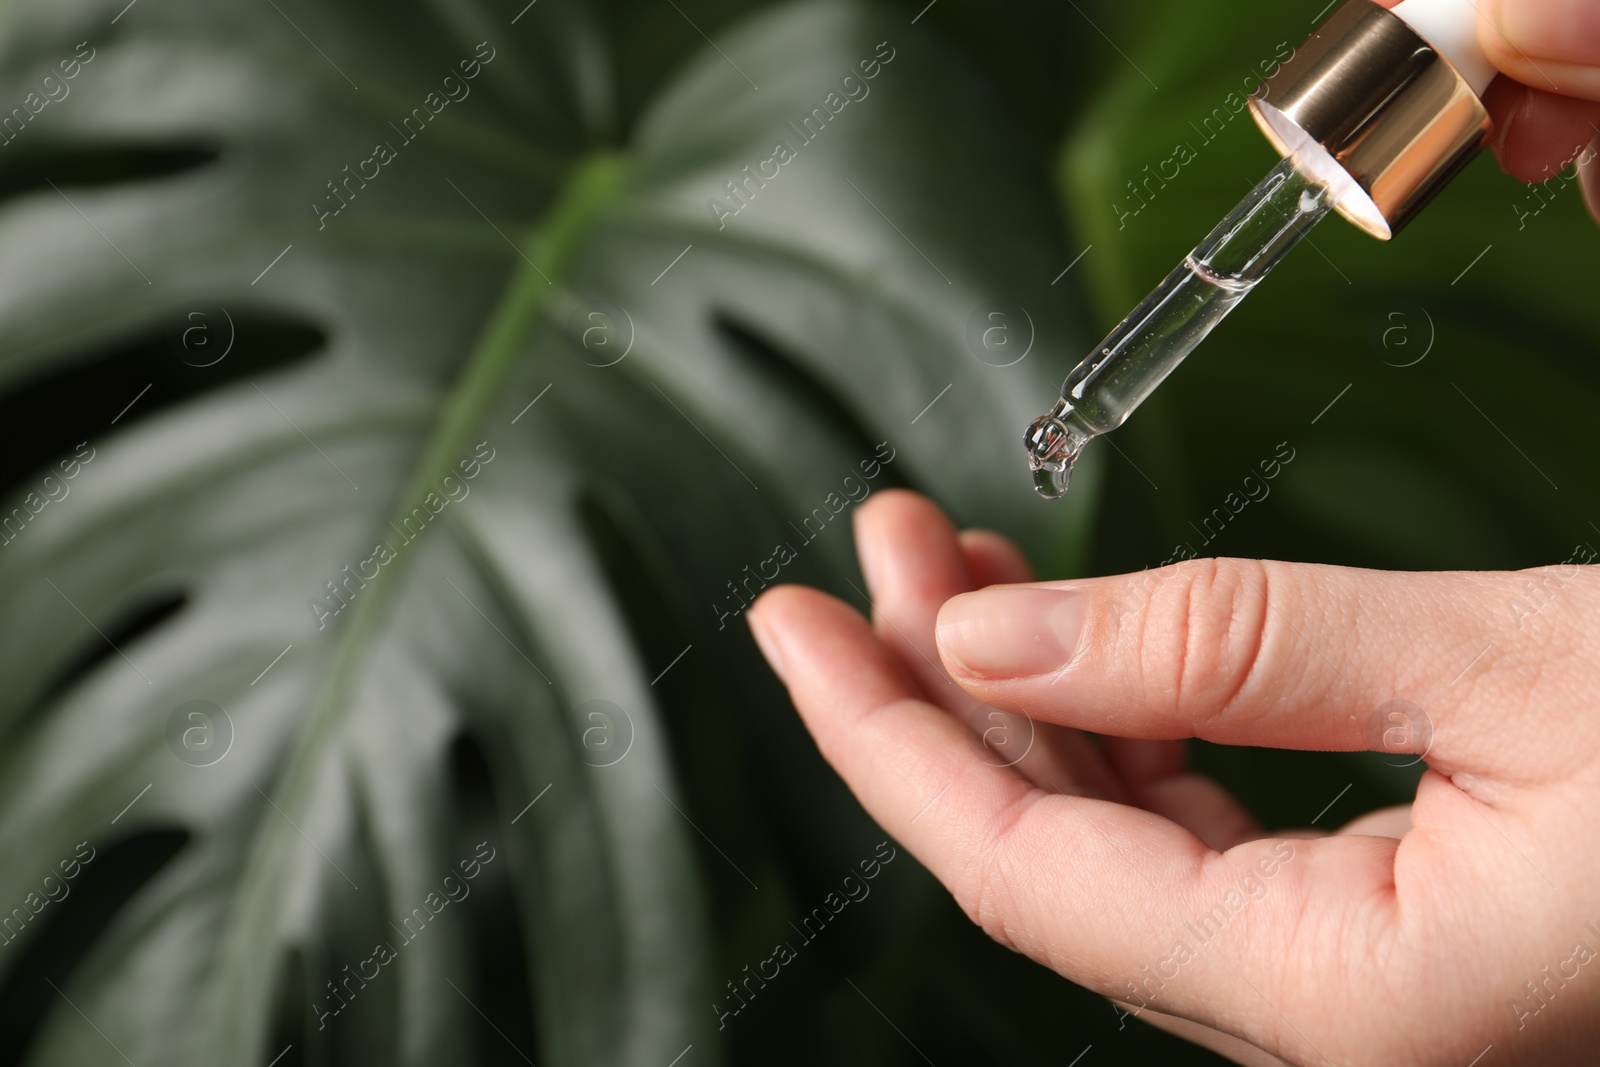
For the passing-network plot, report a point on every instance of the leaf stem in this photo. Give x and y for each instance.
(547, 252)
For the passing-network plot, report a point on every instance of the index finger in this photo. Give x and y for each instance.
(1097, 891)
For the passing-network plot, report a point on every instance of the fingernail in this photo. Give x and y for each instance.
(1564, 30)
(1514, 98)
(766, 642)
(1589, 175)
(1012, 632)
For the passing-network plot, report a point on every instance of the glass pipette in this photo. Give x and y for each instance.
(1102, 391)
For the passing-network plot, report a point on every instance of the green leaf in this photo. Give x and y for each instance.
(420, 332)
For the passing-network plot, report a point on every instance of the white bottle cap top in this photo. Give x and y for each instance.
(1451, 27)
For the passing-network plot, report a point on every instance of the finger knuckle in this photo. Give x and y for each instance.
(1205, 637)
(990, 905)
(990, 900)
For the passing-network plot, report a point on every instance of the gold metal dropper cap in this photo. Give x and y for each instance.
(1372, 109)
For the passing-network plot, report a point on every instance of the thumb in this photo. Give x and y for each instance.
(1284, 655)
(1548, 44)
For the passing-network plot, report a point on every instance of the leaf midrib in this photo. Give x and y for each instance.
(548, 250)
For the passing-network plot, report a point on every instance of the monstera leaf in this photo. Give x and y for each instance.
(396, 430)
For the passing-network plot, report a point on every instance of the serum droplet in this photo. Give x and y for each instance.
(1052, 485)
(1052, 449)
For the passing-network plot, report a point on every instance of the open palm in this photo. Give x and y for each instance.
(1404, 938)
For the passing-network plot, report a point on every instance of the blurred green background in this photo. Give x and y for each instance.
(558, 667)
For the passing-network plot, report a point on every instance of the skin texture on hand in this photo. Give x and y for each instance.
(1425, 935)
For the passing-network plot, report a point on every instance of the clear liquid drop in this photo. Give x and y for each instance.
(1053, 447)
(1052, 485)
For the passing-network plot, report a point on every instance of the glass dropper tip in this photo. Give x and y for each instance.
(1053, 447)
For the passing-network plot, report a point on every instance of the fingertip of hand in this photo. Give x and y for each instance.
(796, 624)
(880, 507)
(1498, 35)
(767, 618)
(1490, 36)
(777, 605)
(945, 638)
(868, 523)
(1546, 44)
(907, 549)
(888, 498)
(993, 559)
(889, 506)
(1504, 100)
(1006, 632)
(1589, 181)
(771, 650)
(1537, 133)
